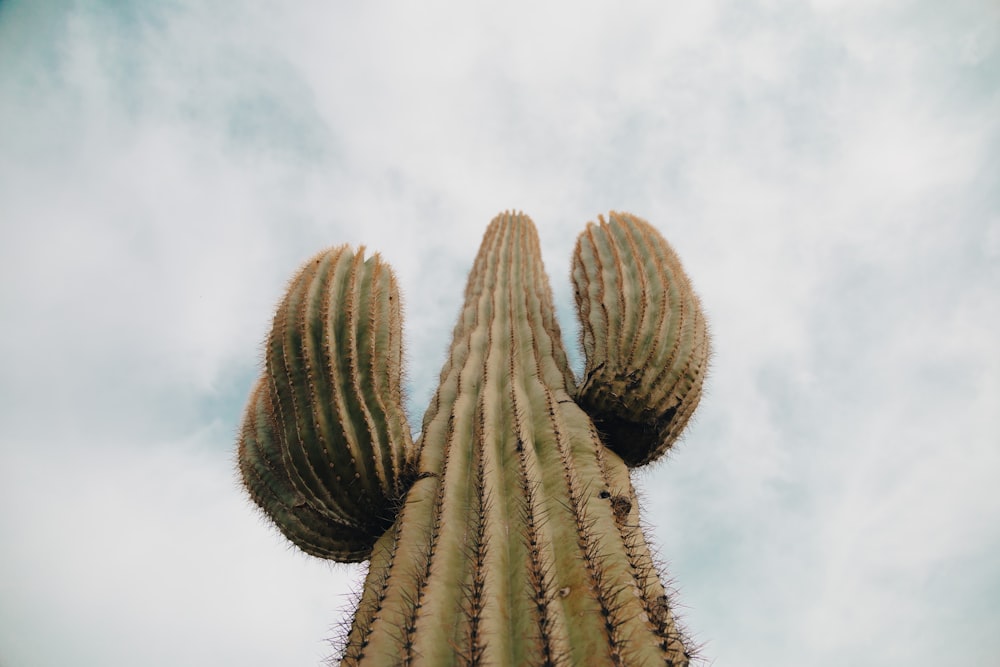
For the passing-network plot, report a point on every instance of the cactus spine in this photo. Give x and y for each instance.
(509, 534)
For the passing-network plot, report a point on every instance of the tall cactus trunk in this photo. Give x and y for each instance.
(518, 541)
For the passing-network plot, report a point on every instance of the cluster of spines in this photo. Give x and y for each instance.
(644, 336)
(471, 652)
(325, 449)
(677, 648)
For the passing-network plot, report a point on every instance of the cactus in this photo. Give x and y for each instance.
(509, 534)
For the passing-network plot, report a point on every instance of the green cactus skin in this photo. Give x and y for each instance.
(644, 335)
(518, 541)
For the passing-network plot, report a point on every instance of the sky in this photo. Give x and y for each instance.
(828, 171)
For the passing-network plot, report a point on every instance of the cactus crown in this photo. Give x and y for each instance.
(509, 533)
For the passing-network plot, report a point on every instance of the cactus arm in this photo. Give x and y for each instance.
(325, 450)
(644, 337)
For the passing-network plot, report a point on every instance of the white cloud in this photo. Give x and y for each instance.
(825, 172)
(125, 555)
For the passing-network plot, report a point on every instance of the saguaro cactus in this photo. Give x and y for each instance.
(509, 533)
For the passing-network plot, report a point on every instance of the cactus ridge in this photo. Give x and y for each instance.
(509, 534)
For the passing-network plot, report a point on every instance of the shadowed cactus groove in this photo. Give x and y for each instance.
(509, 534)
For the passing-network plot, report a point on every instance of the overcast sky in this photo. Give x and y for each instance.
(828, 171)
